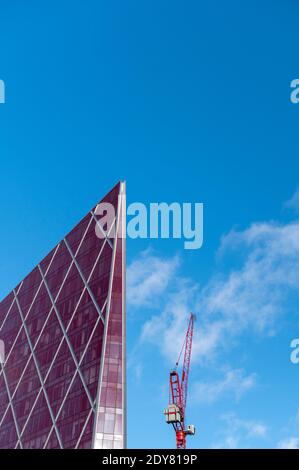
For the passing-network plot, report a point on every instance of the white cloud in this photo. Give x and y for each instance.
(138, 370)
(255, 291)
(148, 277)
(239, 433)
(289, 443)
(250, 296)
(293, 203)
(234, 382)
(292, 429)
(168, 329)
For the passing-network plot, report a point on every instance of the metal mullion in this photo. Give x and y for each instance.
(86, 286)
(75, 374)
(12, 408)
(31, 305)
(66, 337)
(41, 283)
(46, 321)
(84, 427)
(29, 416)
(11, 349)
(124, 315)
(69, 323)
(85, 282)
(11, 305)
(38, 371)
(102, 230)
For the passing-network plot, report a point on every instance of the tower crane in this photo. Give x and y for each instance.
(175, 413)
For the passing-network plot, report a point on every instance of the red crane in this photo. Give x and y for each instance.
(176, 412)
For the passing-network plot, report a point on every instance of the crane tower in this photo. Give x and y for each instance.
(175, 413)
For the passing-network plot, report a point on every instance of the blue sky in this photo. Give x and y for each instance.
(186, 101)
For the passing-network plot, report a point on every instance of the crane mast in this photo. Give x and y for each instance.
(178, 388)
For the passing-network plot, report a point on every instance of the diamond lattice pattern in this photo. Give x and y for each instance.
(61, 385)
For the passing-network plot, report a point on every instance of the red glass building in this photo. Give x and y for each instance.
(62, 384)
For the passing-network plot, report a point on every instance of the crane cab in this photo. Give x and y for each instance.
(190, 430)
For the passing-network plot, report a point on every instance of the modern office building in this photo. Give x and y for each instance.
(62, 384)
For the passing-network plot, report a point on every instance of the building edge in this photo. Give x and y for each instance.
(120, 237)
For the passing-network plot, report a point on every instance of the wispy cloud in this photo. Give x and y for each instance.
(251, 295)
(293, 202)
(148, 277)
(238, 432)
(234, 382)
(257, 281)
(167, 330)
(289, 443)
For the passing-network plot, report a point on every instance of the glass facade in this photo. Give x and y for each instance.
(62, 384)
